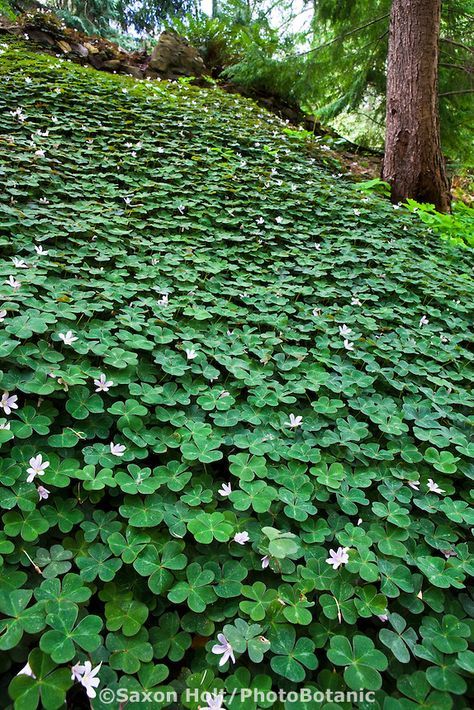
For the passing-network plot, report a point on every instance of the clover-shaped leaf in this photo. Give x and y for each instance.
(362, 661)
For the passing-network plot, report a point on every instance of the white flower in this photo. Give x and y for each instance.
(224, 648)
(26, 670)
(68, 338)
(225, 490)
(260, 220)
(103, 384)
(242, 537)
(348, 345)
(344, 330)
(356, 301)
(8, 402)
(163, 301)
(338, 558)
(414, 484)
(5, 426)
(423, 321)
(3, 315)
(117, 449)
(19, 263)
(39, 250)
(37, 467)
(294, 421)
(383, 617)
(317, 247)
(40, 153)
(214, 702)
(433, 487)
(265, 560)
(278, 220)
(43, 493)
(224, 393)
(85, 675)
(191, 354)
(316, 312)
(11, 281)
(230, 332)
(77, 671)
(357, 212)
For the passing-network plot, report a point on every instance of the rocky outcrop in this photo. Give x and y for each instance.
(173, 57)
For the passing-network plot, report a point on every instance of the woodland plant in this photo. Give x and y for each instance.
(235, 409)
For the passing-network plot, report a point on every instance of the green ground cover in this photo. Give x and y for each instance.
(191, 297)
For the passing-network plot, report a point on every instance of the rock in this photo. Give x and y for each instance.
(90, 48)
(174, 56)
(112, 65)
(133, 71)
(65, 46)
(80, 50)
(39, 36)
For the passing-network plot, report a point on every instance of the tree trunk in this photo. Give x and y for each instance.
(413, 163)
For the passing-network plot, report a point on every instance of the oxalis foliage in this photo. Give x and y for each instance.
(238, 412)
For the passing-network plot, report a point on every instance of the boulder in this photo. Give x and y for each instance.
(112, 65)
(131, 70)
(173, 56)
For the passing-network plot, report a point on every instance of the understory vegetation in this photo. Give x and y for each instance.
(236, 407)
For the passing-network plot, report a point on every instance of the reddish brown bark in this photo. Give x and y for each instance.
(413, 163)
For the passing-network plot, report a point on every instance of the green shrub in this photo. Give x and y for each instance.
(457, 227)
(251, 385)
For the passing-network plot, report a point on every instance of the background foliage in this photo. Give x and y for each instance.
(223, 275)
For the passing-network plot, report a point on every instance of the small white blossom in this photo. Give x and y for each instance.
(40, 153)
(213, 702)
(265, 560)
(356, 212)
(344, 330)
(86, 676)
(294, 421)
(39, 250)
(414, 484)
(37, 467)
(163, 301)
(19, 263)
(3, 315)
(11, 281)
(224, 648)
(433, 487)
(225, 490)
(423, 321)
(316, 312)
(103, 384)
(5, 426)
(117, 449)
(383, 617)
(348, 345)
(191, 354)
(43, 493)
(242, 537)
(224, 393)
(68, 338)
(338, 557)
(356, 301)
(8, 402)
(278, 220)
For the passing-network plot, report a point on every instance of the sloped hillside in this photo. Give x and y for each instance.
(237, 409)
